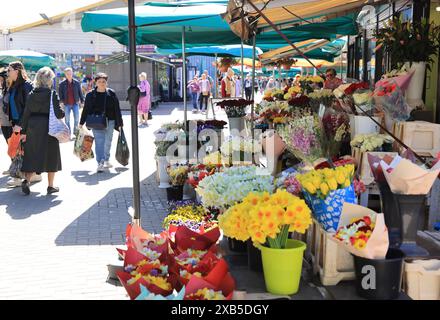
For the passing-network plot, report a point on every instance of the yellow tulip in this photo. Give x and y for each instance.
(324, 188)
(310, 188)
(340, 177)
(332, 183)
(347, 183)
(316, 181)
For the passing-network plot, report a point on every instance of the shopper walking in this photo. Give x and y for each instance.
(102, 101)
(144, 103)
(18, 90)
(41, 151)
(205, 88)
(228, 84)
(71, 96)
(194, 89)
(6, 124)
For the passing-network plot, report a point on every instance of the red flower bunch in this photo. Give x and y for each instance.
(332, 121)
(199, 172)
(387, 88)
(269, 99)
(356, 86)
(359, 187)
(234, 103)
(299, 102)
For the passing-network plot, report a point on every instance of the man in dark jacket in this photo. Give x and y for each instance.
(71, 95)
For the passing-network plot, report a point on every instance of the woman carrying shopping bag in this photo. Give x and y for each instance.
(41, 150)
(102, 114)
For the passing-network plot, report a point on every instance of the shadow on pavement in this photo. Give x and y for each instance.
(91, 178)
(19, 206)
(105, 222)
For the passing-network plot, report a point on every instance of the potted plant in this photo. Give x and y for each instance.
(412, 44)
(287, 63)
(235, 110)
(267, 220)
(178, 175)
(225, 63)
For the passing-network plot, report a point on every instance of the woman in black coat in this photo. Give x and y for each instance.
(41, 151)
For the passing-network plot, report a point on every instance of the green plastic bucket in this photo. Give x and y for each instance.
(282, 267)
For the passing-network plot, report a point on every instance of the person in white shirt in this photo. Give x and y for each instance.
(205, 88)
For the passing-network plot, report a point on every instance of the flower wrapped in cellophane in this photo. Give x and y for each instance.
(303, 136)
(362, 232)
(326, 190)
(389, 98)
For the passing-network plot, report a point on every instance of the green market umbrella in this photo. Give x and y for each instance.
(31, 60)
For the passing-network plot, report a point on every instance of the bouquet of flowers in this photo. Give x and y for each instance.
(275, 112)
(290, 92)
(235, 108)
(301, 101)
(277, 94)
(240, 149)
(390, 99)
(215, 159)
(344, 93)
(266, 219)
(362, 232)
(309, 83)
(210, 124)
(371, 141)
(318, 97)
(190, 215)
(402, 77)
(178, 174)
(303, 136)
(224, 189)
(199, 172)
(336, 130)
(325, 191)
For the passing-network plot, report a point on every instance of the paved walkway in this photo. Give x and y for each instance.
(58, 247)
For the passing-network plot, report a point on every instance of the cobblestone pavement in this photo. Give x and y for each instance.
(58, 246)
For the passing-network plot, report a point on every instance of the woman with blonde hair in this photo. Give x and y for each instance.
(144, 103)
(41, 151)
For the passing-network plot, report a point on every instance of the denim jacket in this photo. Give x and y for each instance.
(77, 92)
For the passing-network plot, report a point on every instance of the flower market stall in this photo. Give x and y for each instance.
(307, 207)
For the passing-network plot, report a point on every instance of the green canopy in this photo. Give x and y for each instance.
(327, 52)
(30, 59)
(161, 24)
(220, 51)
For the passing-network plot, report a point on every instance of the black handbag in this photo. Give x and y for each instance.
(98, 121)
(150, 115)
(143, 94)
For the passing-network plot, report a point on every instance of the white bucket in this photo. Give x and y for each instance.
(363, 125)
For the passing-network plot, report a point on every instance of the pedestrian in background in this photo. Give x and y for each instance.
(205, 88)
(41, 151)
(237, 86)
(144, 103)
(103, 101)
(194, 89)
(248, 87)
(71, 96)
(6, 124)
(19, 87)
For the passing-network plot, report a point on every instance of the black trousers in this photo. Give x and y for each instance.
(203, 100)
(7, 133)
(248, 93)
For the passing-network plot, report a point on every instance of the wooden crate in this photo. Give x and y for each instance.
(331, 261)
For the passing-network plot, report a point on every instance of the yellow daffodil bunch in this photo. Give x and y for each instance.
(266, 218)
(309, 78)
(322, 182)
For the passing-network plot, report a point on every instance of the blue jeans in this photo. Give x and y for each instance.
(75, 109)
(103, 142)
(194, 99)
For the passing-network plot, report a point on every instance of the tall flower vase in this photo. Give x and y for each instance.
(391, 212)
(273, 147)
(164, 179)
(412, 210)
(282, 267)
(236, 124)
(414, 91)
